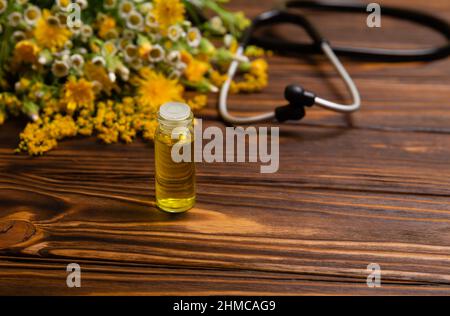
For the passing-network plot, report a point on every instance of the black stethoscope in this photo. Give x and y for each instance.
(300, 98)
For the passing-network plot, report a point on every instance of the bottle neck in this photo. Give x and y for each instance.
(168, 126)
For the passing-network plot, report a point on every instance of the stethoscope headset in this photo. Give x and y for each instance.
(297, 97)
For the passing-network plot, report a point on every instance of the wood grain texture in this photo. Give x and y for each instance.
(350, 191)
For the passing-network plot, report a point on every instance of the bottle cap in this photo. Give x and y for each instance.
(174, 111)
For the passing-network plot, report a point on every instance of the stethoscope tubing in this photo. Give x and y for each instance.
(321, 45)
(377, 54)
(270, 116)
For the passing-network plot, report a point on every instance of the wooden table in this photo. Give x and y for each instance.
(371, 188)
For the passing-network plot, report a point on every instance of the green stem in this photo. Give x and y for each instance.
(226, 16)
(4, 44)
(192, 12)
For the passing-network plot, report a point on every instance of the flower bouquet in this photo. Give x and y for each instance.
(104, 67)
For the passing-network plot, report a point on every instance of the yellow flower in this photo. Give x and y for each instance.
(99, 74)
(42, 136)
(49, 33)
(259, 67)
(168, 13)
(11, 103)
(78, 94)
(217, 78)
(196, 69)
(149, 129)
(154, 89)
(198, 102)
(254, 51)
(2, 117)
(26, 52)
(24, 84)
(255, 80)
(63, 4)
(3, 6)
(144, 50)
(106, 26)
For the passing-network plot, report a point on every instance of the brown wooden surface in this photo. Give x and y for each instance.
(350, 191)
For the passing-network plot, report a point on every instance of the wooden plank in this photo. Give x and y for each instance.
(321, 219)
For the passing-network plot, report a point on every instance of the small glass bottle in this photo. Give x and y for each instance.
(175, 181)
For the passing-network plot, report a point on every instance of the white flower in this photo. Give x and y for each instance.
(112, 76)
(82, 3)
(43, 60)
(228, 40)
(97, 87)
(129, 34)
(123, 43)
(112, 34)
(213, 88)
(17, 86)
(99, 61)
(194, 37)
(156, 54)
(135, 21)
(217, 25)
(68, 45)
(136, 63)
(14, 19)
(174, 57)
(64, 55)
(175, 74)
(75, 29)
(3, 6)
(32, 14)
(109, 48)
(21, 2)
(125, 8)
(39, 94)
(186, 24)
(86, 31)
(60, 68)
(150, 20)
(62, 18)
(54, 20)
(109, 4)
(18, 36)
(146, 7)
(174, 33)
(64, 5)
(124, 73)
(77, 61)
(181, 66)
(131, 52)
(45, 57)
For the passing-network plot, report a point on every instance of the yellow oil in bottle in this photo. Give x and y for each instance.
(175, 181)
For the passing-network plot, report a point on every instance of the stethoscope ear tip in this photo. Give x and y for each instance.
(297, 95)
(298, 99)
(289, 113)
